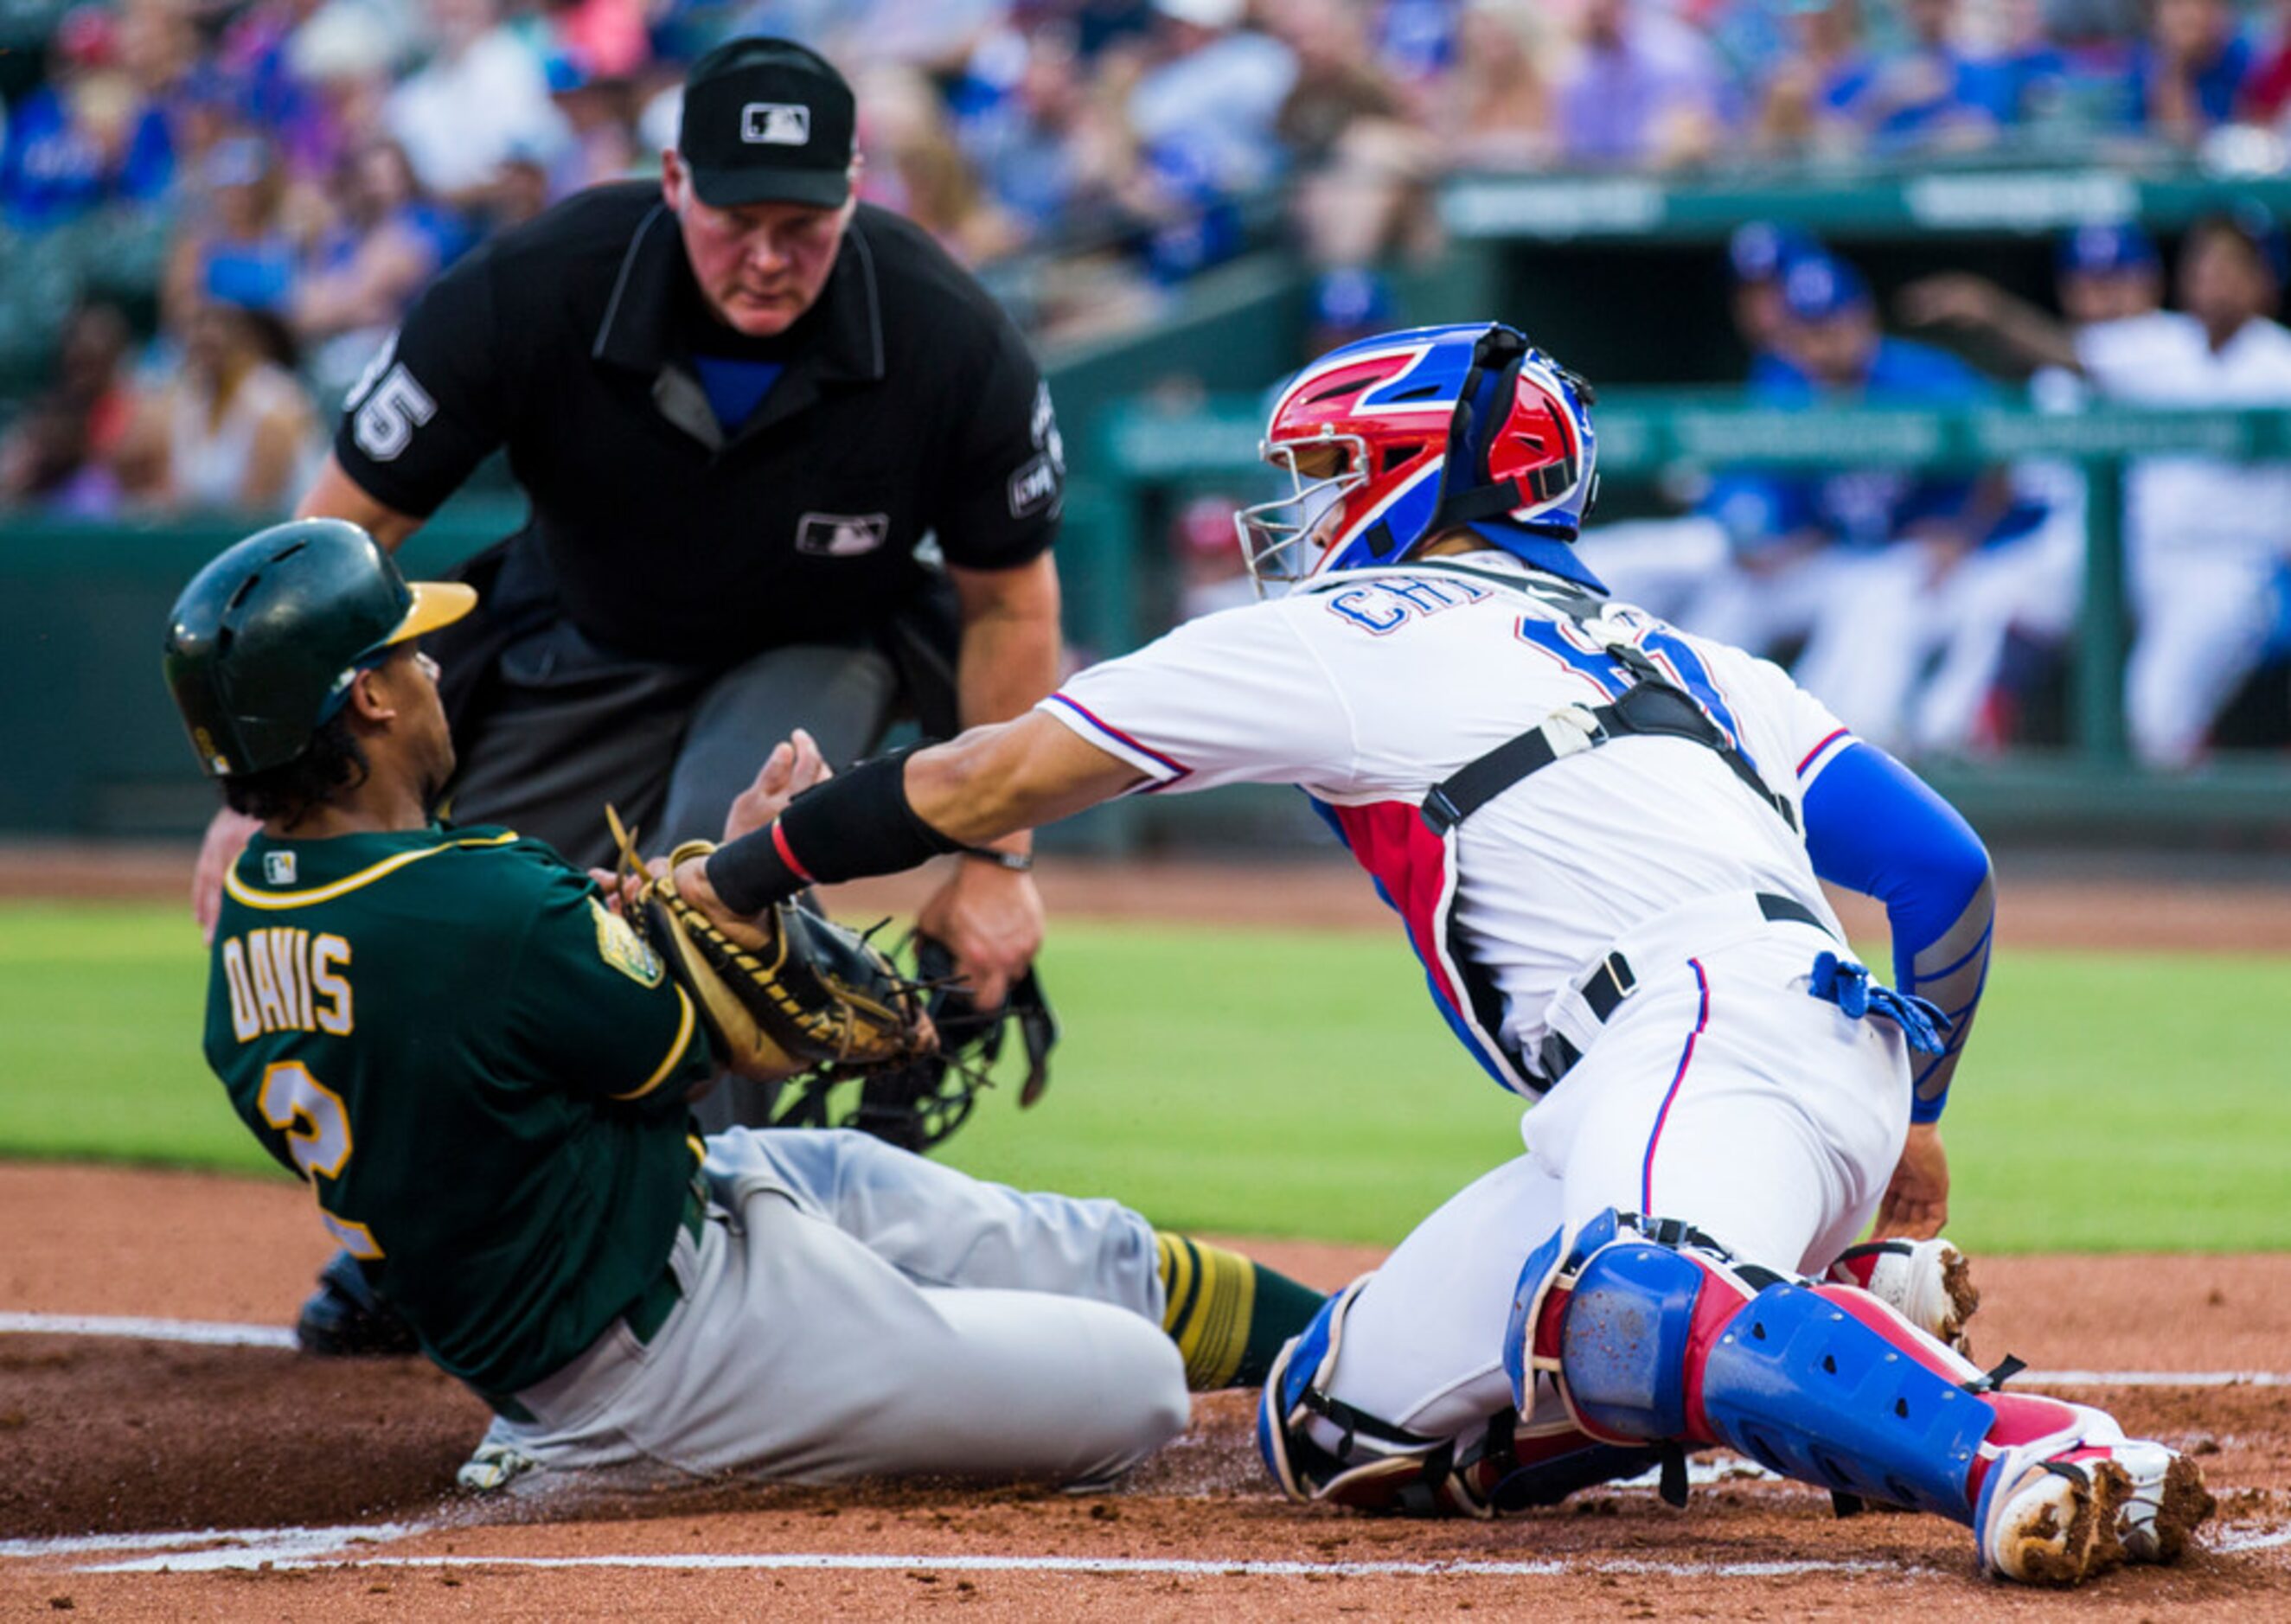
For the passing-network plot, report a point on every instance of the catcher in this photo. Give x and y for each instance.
(482, 1070)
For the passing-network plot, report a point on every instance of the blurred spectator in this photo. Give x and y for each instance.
(2189, 74)
(1206, 107)
(234, 431)
(2034, 84)
(1363, 174)
(481, 96)
(360, 274)
(2267, 91)
(607, 39)
(1497, 114)
(86, 137)
(599, 115)
(1931, 93)
(1849, 558)
(58, 453)
(1338, 83)
(331, 81)
(1049, 148)
(1643, 91)
(915, 166)
(1805, 109)
(236, 246)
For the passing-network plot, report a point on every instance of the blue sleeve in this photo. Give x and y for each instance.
(1873, 826)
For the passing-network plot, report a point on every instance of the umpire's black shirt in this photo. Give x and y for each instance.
(908, 404)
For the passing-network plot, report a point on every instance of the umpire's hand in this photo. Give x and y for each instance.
(991, 918)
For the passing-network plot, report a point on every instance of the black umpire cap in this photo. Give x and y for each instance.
(767, 121)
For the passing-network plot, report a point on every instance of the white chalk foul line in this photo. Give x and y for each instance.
(211, 1332)
(224, 1334)
(2152, 1379)
(209, 1562)
(292, 1541)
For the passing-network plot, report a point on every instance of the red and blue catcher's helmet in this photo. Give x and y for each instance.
(1391, 441)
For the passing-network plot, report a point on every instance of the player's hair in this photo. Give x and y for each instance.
(335, 761)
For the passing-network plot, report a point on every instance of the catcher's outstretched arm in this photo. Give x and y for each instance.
(896, 811)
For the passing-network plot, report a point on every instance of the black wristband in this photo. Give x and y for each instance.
(855, 824)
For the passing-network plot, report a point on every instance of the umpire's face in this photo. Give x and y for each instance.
(759, 266)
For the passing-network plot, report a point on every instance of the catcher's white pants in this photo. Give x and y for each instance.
(851, 1310)
(1720, 1093)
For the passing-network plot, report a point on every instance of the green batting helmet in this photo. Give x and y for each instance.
(264, 642)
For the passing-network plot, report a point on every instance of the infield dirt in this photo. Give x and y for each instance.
(103, 1435)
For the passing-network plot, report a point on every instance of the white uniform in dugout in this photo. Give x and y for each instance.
(2205, 538)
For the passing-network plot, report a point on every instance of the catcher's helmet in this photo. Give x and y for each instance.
(1393, 440)
(263, 643)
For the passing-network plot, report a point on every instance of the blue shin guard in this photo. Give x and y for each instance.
(1663, 1341)
(1320, 1448)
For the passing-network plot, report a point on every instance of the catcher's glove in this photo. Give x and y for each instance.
(805, 991)
(916, 1103)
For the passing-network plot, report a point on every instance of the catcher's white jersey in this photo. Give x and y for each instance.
(1374, 686)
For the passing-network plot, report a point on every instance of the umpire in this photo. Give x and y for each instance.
(789, 466)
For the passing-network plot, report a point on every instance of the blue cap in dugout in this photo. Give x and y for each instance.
(1760, 250)
(1822, 286)
(2104, 248)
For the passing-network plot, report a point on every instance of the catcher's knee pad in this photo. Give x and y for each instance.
(1654, 1335)
(1372, 1465)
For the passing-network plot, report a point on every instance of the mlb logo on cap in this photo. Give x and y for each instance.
(776, 123)
(767, 121)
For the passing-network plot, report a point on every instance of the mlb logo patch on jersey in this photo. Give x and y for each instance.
(277, 868)
(841, 535)
(1034, 486)
(776, 123)
(620, 946)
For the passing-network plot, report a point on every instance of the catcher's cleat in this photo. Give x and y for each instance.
(1928, 1282)
(344, 1319)
(2069, 1507)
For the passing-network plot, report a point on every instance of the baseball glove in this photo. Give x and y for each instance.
(916, 1103)
(804, 992)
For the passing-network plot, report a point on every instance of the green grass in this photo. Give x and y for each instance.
(1284, 1082)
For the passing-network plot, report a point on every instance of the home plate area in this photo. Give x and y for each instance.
(162, 1409)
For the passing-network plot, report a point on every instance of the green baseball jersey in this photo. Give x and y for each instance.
(480, 1069)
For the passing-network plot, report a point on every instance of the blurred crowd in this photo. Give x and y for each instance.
(223, 205)
(213, 212)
